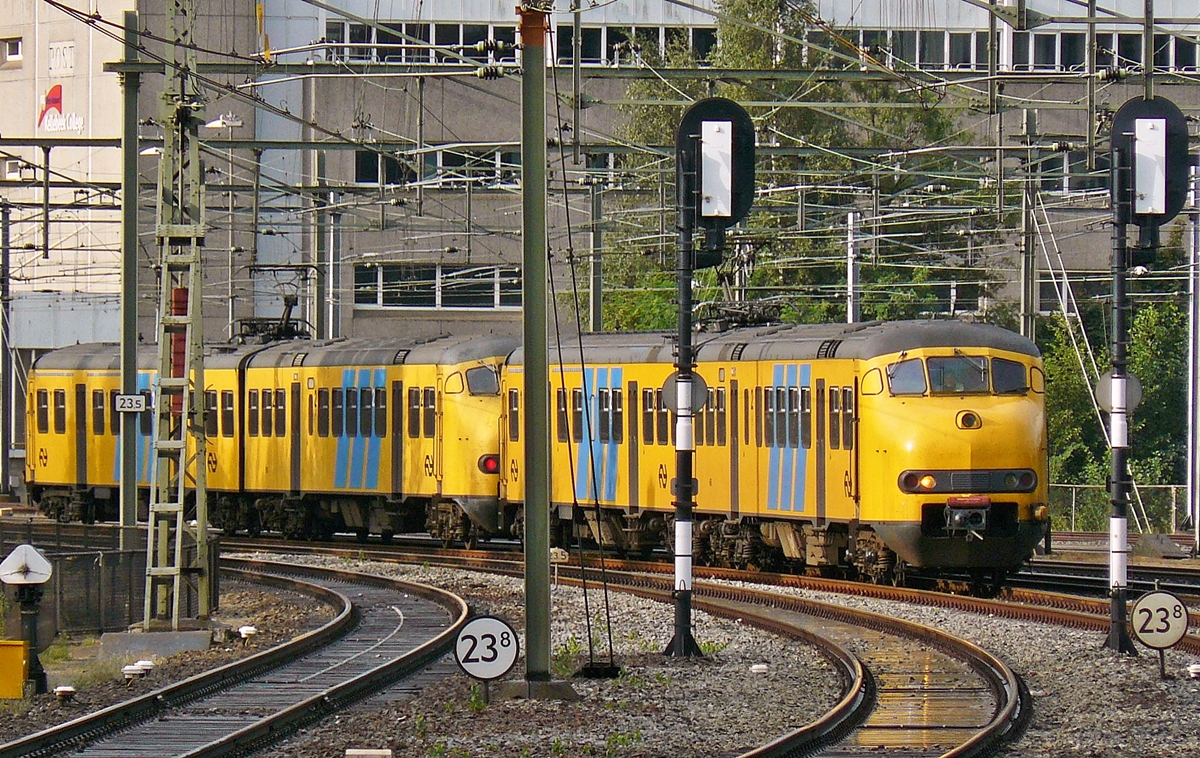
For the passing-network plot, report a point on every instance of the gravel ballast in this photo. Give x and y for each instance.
(1087, 700)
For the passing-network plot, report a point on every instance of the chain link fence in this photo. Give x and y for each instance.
(94, 590)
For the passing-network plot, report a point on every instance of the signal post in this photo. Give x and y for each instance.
(714, 170)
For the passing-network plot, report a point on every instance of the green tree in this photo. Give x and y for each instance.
(805, 158)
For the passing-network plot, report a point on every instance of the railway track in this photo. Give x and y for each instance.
(907, 688)
(390, 631)
(954, 699)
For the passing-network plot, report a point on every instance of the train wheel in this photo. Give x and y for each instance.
(386, 536)
(361, 534)
(899, 573)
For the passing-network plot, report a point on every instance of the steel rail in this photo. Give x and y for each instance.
(121, 715)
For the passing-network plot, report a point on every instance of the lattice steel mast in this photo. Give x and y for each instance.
(179, 388)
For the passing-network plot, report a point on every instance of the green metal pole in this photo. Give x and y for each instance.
(537, 373)
(129, 247)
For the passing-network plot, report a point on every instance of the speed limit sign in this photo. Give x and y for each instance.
(1159, 620)
(486, 648)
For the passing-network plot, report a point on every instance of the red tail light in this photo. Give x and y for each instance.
(489, 464)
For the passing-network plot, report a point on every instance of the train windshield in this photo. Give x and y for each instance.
(957, 374)
(483, 380)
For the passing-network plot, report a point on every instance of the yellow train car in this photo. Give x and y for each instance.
(370, 436)
(305, 438)
(867, 448)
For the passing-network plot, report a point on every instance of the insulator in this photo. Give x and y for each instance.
(489, 72)
(497, 46)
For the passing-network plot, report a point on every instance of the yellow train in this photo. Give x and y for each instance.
(862, 448)
(304, 438)
(866, 448)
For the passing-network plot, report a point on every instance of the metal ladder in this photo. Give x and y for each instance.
(178, 398)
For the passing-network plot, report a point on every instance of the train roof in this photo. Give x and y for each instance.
(106, 356)
(383, 352)
(789, 342)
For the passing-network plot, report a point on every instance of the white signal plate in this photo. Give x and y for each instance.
(25, 565)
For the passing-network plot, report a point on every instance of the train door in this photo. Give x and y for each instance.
(712, 445)
(836, 433)
(397, 438)
(439, 432)
(295, 438)
(81, 446)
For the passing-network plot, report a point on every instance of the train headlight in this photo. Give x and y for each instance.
(915, 481)
(489, 464)
(928, 482)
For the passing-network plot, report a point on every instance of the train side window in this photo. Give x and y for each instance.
(323, 412)
(835, 418)
(605, 420)
(577, 415)
(793, 415)
(758, 417)
(648, 417)
(210, 413)
(907, 377)
(227, 413)
(768, 417)
(60, 411)
(43, 411)
(98, 412)
(113, 414)
(351, 394)
(312, 414)
(560, 405)
(267, 422)
(710, 419)
(806, 417)
(336, 427)
(414, 412)
(872, 382)
(514, 416)
(252, 413)
(847, 418)
(721, 418)
(1037, 380)
(661, 416)
(381, 412)
(429, 401)
(618, 416)
(366, 411)
(280, 413)
(746, 416)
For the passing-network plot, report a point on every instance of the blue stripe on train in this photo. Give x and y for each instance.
(801, 453)
(341, 470)
(375, 443)
(357, 443)
(784, 441)
(610, 457)
(773, 454)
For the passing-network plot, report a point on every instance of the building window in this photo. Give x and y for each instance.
(435, 285)
(370, 167)
(11, 50)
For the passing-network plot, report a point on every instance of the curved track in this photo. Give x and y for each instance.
(907, 689)
(389, 631)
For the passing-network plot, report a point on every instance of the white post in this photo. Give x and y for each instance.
(852, 304)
